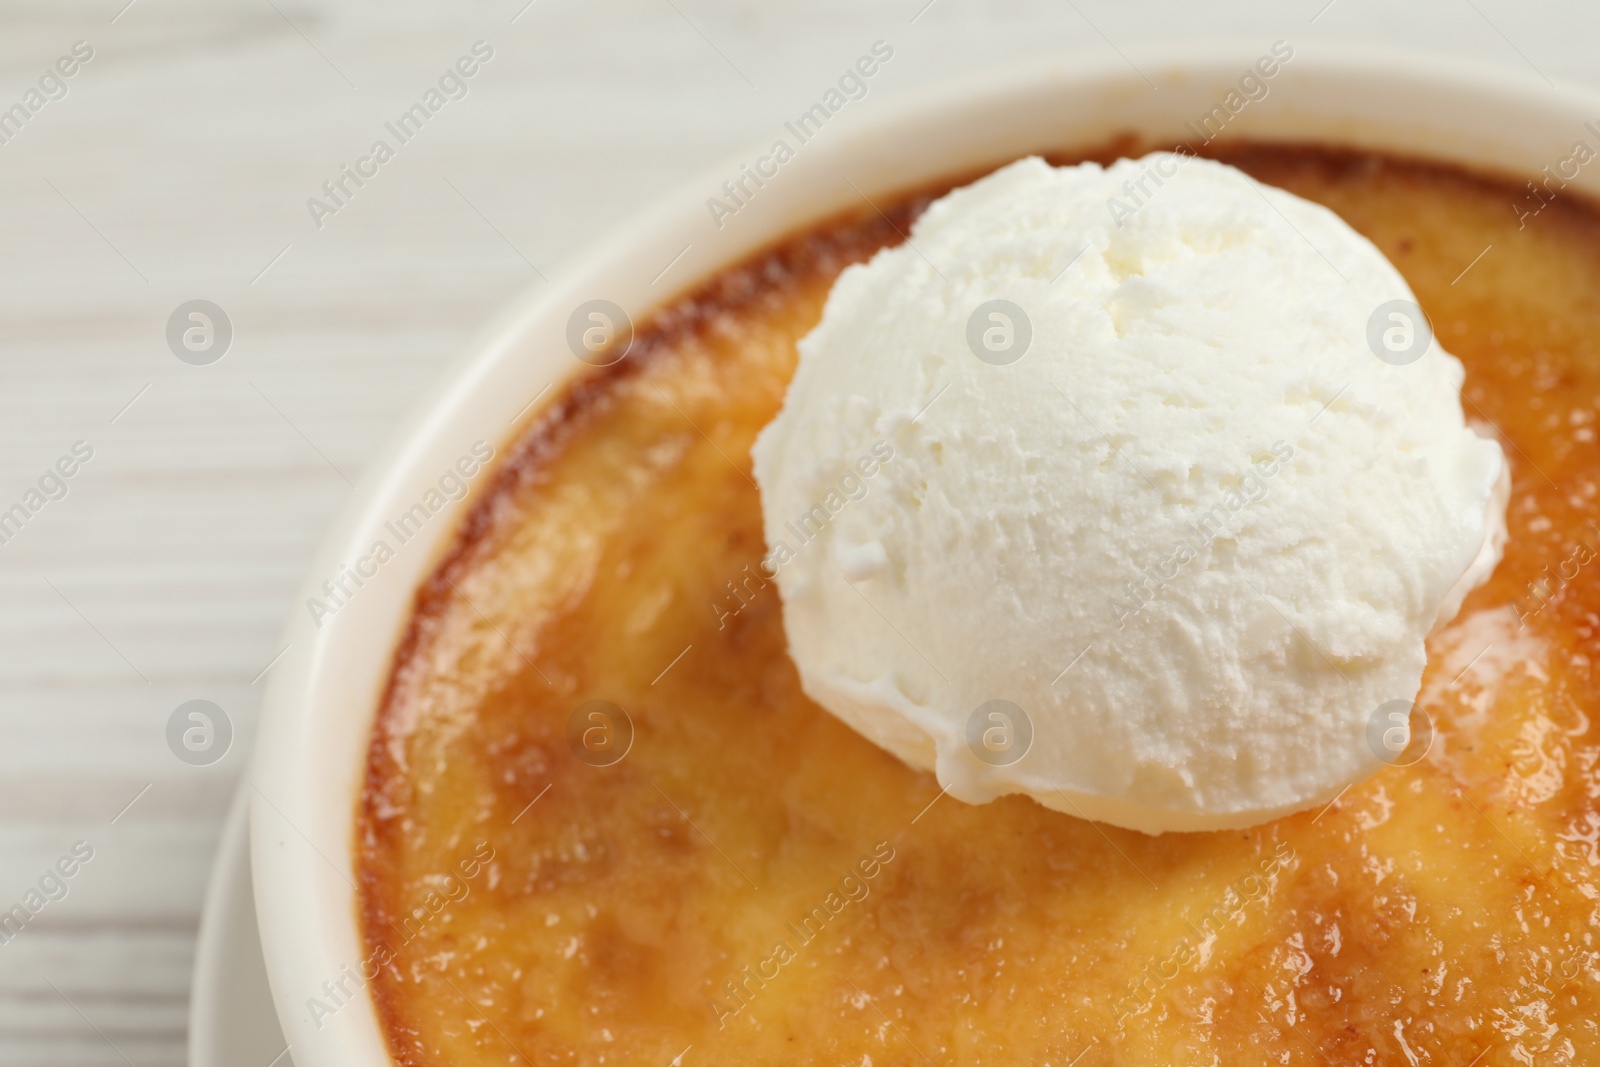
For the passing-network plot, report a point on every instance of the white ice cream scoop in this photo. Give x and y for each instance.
(1134, 489)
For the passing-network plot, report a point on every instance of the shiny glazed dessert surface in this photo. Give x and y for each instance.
(737, 878)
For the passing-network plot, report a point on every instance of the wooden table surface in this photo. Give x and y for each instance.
(176, 167)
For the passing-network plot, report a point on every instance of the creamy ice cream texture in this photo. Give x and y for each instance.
(1128, 489)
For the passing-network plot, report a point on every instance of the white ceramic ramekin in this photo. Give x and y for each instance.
(323, 693)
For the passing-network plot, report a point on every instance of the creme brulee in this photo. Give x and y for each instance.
(731, 876)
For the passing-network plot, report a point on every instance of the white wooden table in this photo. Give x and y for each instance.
(177, 167)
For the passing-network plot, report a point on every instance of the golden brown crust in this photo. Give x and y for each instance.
(1441, 911)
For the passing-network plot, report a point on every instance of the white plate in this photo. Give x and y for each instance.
(231, 1019)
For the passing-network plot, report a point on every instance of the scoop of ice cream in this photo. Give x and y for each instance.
(1134, 489)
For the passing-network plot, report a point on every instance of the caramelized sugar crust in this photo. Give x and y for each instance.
(754, 883)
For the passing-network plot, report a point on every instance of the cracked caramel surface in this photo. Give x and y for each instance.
(751, 882)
